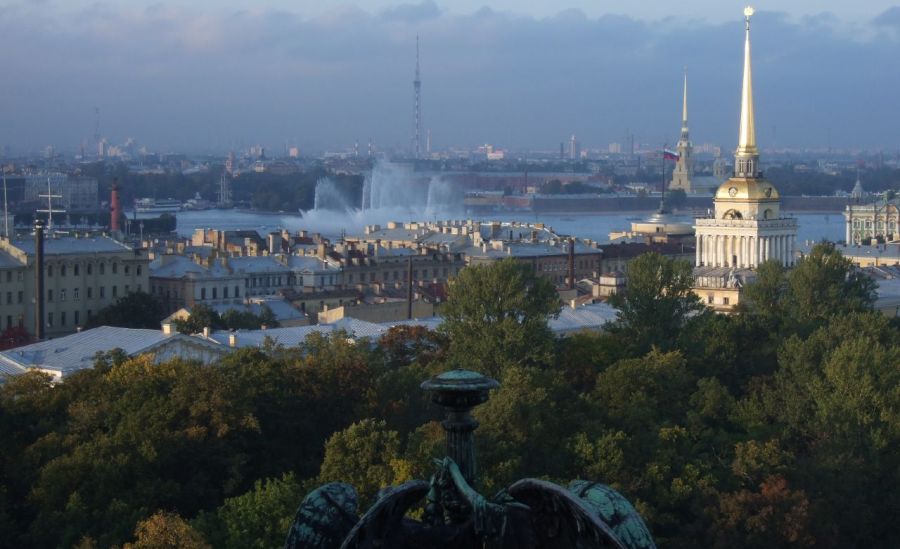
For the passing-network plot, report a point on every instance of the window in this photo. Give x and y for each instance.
(202, 293)
(710, 299)
(49, 295)
(102, 292)
(62, 271)
(237, 293)
(115, 268)
(49, 270)
(725, 301)
(50, 319)
(75, 269)
(215, 293)
(127, 269)
(9, 298)
(371, 277)
(9, 276)
(62, 295)
(20, 297)
(75, 294)
(75, 314)
(127, 287)
(62, 318)
(90, 293)
(90, 269)
(115, 291)
(102, 268)
(225, 292)
(90, 313)
(138, 270)
(9, 321)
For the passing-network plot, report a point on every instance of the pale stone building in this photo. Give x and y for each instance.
(81, 276)
(747, 227)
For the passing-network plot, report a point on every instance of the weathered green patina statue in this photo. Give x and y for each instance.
(531, 513)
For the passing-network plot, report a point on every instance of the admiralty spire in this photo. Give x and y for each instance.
(684, 167)
(746, 227)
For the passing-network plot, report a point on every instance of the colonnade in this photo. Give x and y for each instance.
(744, 251)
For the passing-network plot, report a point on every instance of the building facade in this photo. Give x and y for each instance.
(877, 220)
(747, 227)
(81, 276)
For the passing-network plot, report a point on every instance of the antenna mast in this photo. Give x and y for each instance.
(49, 211)
(417, 88)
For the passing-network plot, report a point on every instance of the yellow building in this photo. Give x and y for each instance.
(747, 227)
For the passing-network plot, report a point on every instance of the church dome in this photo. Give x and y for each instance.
(747, 190)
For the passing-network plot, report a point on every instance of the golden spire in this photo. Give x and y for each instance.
(747, 137)
(684, 108)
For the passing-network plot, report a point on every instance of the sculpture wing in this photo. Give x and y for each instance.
(381, 526)
(324, 518)
(616, 511)
(563, 518)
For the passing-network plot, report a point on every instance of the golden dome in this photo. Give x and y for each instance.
(747, 190)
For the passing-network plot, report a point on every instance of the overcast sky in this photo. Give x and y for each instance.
(221, 73)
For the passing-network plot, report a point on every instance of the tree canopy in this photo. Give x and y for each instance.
(774, 426)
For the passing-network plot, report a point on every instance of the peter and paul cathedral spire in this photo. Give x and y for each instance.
(684, 167)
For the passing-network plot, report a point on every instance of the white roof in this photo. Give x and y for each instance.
(71, 353)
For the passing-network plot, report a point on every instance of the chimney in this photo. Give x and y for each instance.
(232, 339)
(39, 280)
(206, 331)
(167, 328)
(571, 263)
(115, 209)
(409, 287)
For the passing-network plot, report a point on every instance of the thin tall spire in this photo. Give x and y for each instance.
(684, 119)
(747, 136)
(417, 87)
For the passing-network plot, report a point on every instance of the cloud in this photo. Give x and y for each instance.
(412, 13)
(174, 77)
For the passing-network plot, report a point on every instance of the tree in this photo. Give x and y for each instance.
(497, 315)
(367, 456)
(257, 519)
(202, 316)
(166, 531)
(825, 283)
(233, 319)
(657, 304)
(134, 310)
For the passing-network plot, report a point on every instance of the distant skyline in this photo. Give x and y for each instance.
(213, 75)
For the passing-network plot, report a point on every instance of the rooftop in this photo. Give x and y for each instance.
(64, 245)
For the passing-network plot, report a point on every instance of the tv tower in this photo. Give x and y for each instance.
(417, 88)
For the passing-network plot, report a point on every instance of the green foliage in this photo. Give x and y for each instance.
(366, 455)
(257, 519)
(824, 284)
(776, 425)
(134, 310)
(203, 316)
(657, 304)
(496, 315)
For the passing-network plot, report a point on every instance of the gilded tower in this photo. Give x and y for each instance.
(747, 227)
(684, 167)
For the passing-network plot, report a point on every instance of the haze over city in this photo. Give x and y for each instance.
(214, 75)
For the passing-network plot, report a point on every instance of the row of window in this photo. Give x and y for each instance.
(76, 293)
(398, 275)
(76, 269)
(63, 318)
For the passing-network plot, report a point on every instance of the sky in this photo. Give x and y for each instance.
(223, 74)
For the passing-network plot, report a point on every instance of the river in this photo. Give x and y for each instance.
(812, 226)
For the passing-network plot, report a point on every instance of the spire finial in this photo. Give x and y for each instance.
(747, 137)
